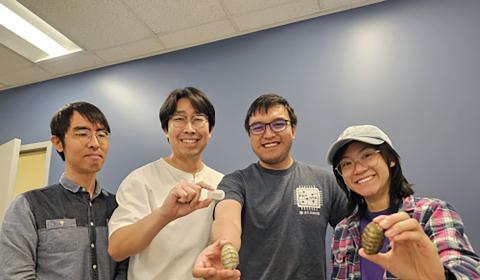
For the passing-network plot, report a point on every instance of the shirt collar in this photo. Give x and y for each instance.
(407, 204)
(73, 187)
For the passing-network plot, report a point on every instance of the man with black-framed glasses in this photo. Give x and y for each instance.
(275, 211)
(60, 231)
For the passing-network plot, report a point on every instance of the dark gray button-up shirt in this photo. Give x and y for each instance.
(58, 232)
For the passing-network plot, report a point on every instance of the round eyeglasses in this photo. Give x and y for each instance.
(85, 135)
(277, 125)
(368, 158)
(180, 121)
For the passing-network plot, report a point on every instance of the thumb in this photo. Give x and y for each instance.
(204, 185)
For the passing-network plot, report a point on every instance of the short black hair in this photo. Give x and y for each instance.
(61, 119)
(399, 185)
(199, 101)
(265, 102)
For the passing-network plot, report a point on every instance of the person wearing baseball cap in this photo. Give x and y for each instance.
(424, 237)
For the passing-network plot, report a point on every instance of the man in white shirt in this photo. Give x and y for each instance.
(163, 218)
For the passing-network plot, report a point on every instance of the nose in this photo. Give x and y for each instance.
(268, 132)
(93, 142)
(189, 127)
(358, 167)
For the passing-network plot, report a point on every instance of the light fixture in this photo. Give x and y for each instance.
(30, 36)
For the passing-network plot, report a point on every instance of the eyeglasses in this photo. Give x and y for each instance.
(277, 125)
(180, 121)
(367, 158)
(85, 135)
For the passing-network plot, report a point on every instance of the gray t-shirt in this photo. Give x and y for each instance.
(284, 219)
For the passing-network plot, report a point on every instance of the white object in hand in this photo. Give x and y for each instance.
(216, 194)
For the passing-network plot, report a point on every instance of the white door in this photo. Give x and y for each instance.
(9, 154)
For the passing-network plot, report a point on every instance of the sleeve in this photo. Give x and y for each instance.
(133, 198)
(18, 242)
(446, 230)
(233, 186)
(338, 209)
(338, 256)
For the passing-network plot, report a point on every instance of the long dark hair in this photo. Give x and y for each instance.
(399, 185)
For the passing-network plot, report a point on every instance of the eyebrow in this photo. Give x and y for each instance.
(361, 150)
(77, 128)
(183, 113)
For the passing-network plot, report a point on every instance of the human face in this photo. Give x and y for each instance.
(371, 182)
(189, 141)
(83, 155)
(273, 148)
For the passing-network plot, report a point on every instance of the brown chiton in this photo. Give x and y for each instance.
(372, 238)
(229, 257)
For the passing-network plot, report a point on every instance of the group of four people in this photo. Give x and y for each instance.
(275, 211)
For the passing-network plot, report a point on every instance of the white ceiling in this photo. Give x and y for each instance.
(114, 31)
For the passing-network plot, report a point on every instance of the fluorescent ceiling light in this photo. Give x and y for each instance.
(29, 35)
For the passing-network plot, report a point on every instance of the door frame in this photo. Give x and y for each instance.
(45, 145)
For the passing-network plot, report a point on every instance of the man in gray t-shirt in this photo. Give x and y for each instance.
(275, 211)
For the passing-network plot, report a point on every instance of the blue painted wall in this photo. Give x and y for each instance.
(411, 66)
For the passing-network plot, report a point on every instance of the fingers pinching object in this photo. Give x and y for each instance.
(216, 194)
(372, 238)
(229, 257)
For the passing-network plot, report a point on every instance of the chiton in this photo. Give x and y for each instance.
(229, 257)
(372, 238)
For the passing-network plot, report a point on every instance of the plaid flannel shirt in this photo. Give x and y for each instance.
(440, 222)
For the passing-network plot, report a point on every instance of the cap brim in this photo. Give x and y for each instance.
(332, 151)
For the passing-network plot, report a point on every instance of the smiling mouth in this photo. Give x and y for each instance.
(189, 141)
(270, 145)
(365, 180)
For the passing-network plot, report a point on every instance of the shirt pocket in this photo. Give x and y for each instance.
(61, 235)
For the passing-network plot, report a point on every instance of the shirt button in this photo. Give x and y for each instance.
(94, 267)
(91, 223)
(92, 245)
(90, 204)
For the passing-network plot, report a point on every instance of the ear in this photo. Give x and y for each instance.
(294, 131)
(165, 131)
(57, 143)
(392, 163)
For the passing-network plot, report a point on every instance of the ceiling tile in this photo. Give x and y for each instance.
(133, 50)
(91, 24)
(171, 15)
(199, 34)
(113, 31)
(244, 6)
(11, 61)
(25, 76)
(276, 15)
(74, 63)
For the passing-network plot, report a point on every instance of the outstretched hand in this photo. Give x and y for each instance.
(184, 198)
(209, 266)
(413, 255)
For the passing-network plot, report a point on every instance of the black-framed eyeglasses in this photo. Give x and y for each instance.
(277, 125)
(368, 158)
